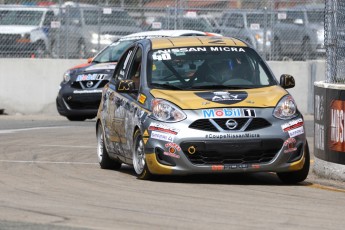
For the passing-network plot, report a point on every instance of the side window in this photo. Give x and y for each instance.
(48, 18)
(292, 16)
(122, 67)
(135, 69)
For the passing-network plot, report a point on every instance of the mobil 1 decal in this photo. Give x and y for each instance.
(224, 97)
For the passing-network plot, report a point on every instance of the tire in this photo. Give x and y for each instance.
(40, 51)
(139, 161)
(300, 175)
(276, 50)
(306, 50)
(104, 160)
(76, 118)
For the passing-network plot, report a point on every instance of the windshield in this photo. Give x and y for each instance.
(207, 68)
(113, 52)
(20, 17)
(316, 17)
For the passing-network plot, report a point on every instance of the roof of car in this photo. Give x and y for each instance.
(22, 7)
(172, 42)
(165, 33)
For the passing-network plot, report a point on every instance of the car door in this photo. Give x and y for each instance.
(114, 108)
(130, 101)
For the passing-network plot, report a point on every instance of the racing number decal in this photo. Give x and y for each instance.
(161, 56)
(249, 113)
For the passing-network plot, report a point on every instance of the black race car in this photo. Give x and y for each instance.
(81, 88)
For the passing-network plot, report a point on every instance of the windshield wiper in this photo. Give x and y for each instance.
(165, 86)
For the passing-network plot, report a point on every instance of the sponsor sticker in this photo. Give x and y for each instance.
(296, 132)
(162, 136)
(91, 77)
(292, 124)
(142, 98)
(163, 128)
(221, 113)
(173, 145)
(228, 113)
(232, 135)
(224, 97)
(203, 49)
(87, 91)
(290, 145)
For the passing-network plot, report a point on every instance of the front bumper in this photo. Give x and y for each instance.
(74, 102)
(192, 151)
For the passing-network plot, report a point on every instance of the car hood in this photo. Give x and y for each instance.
(260, 97)
(92, 67)
(15, 29)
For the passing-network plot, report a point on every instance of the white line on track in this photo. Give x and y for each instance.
(7, 131)
(48, 162)
(71, 146)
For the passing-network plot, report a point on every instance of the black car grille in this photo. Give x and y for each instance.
(207, 125)
(84, 101)
(84, 105)
(232, 152)
(96, 84)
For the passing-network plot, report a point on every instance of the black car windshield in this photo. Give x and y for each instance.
(20, 17)
(207, 67)
(113, 52)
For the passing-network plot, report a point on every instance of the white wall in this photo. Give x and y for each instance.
(30, 86)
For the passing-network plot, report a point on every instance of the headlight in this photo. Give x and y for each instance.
(26, 36)
(66, 76)
(94, 36)
(320, 34)
(286, 108)
(165, 111)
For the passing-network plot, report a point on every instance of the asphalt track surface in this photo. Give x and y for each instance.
(50, 179)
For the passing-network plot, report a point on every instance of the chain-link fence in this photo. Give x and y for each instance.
(278, 29)
(335, 41)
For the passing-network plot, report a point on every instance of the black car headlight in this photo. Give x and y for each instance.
(66, 77)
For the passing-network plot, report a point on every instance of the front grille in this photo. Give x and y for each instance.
(203, 124)
(84, 101)
(96, 84)
(258, 123)
(207, 125)
(84, 105)
(221, 122)
(232, 152)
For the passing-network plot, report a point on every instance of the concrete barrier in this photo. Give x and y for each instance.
(30, 86)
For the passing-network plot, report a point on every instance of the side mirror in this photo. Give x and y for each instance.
(126, 86)
(287, 81)
(89, 60)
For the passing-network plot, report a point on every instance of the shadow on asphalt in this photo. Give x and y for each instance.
(265, 179)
